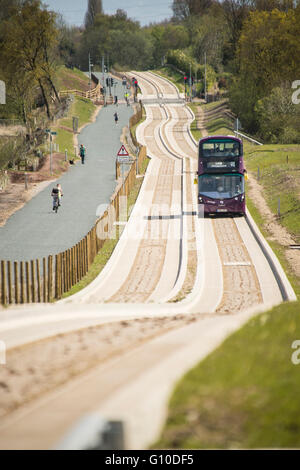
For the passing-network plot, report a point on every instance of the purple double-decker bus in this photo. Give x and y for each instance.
(221, 175)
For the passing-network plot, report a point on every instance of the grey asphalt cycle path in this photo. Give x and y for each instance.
(35, 231)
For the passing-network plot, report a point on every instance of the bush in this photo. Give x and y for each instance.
(289, 136)
(185, 62)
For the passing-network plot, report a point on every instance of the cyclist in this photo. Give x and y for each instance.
(56, 195)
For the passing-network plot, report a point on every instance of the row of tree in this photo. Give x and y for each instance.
(28, 45)
(252, 46)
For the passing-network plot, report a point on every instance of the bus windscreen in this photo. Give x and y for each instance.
(221, 186)
(220, 148)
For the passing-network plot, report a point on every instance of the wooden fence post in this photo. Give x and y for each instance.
(38, 279)
(9, 276)
(27, 282)
(69, 269)
(33, 286)
(65, 271)
(50, 278)
(3, 283)
(17, 294)
(77, 263)
(22, 278)
(61, 274)
(44, 281)
(73, 266)
(56, 277)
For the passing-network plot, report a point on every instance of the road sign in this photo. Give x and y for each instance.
(125, 159)
(123, 152)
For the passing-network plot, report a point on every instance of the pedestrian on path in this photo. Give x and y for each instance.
(116, 100)
(82, 152)
(116, 118)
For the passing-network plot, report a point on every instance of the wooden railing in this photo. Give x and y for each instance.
(48, 279)
(94, 94)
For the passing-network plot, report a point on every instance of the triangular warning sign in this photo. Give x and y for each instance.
(123, 152)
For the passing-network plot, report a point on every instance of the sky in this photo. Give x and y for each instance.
(144, 11)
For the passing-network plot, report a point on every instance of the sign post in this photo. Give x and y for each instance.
(123, 158)
(51, 133)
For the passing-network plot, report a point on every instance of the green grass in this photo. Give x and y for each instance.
(81, 108)
(173, 76)
(197, 134)
(245, 394)
(217, 125)
(71, 79)
(280, 179)
(65, 141)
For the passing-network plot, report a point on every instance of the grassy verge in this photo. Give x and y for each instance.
(81, 108)
(245, 393)
(279, 177)
(220, 124)
(197, 134)
(172, 75)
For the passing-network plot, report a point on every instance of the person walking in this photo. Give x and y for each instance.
(127, 98)
(116, 100)
(82, 152)
(116, 118)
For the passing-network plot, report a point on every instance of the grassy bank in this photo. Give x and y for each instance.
(81, 108)
(173, 76)
(245, 393)
(71, 79)
(279, 168)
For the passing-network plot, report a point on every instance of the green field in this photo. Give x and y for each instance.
(244, 395)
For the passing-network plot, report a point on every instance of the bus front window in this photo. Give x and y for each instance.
(221, 186)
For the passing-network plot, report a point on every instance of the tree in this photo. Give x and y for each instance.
(269, 57)
(236, 12)
(94, 9)
(29, 37)
(182, 9)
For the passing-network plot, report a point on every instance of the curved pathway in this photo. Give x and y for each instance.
(35, 231)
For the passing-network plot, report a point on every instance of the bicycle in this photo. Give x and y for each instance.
(56, 204)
